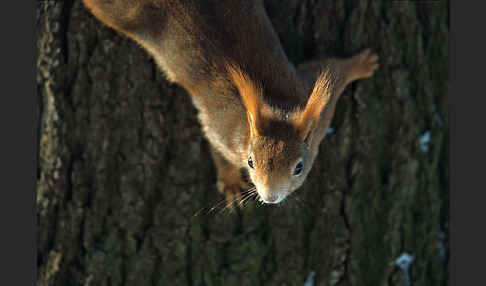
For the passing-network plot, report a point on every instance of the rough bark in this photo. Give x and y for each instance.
(124, 170)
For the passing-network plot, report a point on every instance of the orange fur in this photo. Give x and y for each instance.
(214, 48)
(317, 102)
(251, 97)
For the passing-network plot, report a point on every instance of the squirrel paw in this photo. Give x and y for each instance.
(364, 64)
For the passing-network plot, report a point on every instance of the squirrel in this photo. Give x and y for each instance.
(257, 110)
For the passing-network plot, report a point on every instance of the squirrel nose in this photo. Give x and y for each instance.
(270, 198)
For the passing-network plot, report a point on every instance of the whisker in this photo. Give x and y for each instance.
(218, 204)
(226, 205)
(208, 209)
(248, 197)
(244, 195)
(230, 203)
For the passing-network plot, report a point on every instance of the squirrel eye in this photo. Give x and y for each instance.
(298, 169)
(250, 162)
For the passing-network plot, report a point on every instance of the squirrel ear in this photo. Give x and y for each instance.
(250, 94)
(317, 102)
(253, 125)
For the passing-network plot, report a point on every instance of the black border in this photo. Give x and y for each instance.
(467, 141)
(18, 143)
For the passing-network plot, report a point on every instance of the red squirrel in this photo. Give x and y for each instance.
(256, 109)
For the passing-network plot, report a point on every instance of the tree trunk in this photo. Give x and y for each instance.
(126, 182)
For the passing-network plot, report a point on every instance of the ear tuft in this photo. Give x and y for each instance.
(251, 96)
(317, 102)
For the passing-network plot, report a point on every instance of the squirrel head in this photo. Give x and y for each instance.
(280, 142)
